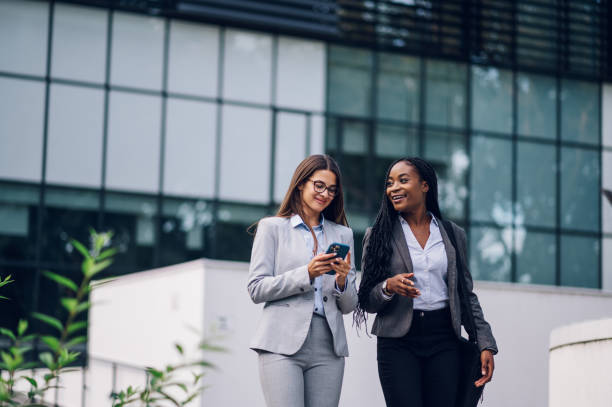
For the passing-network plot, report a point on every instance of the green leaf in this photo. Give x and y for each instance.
(65, 281)
(47, 359)
(32, 381)
(98, 267)
(155, 373)
(75, 341)
(2, 297)
(8, 333)
(6, 281)
(75, 326)
(22, 326)
(77, 245)
(52, 342)
(8, 360)
(82, 307)
(87, 265)
(69, 303)
(179, 348)
(29, 365)
(49, 320)
(107, 253)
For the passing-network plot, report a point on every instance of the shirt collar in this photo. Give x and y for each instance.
(296, 220)
(433, 218)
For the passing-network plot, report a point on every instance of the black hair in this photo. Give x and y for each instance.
(375, 265)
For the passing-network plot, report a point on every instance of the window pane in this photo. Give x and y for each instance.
(79, 43)
(232, 241)
(536, 261)
(18, 221)
(21, 129)
(580, 261)
(68, 214)
(23, 36)
(606, 183)
(301, 74)
(492, 99)
(75, 136)
(183, 230)
(398, 87)
(137, 57)
(580, 191)
(132, 220)
(317, 134)
(536, 184)
(247, 66)
(246, 134)
(537, 106)
(491, 180)
(290, 150)
(490, 253)
(193, 59)
(580, 112)
(607, 118)
(190, 148)
(133, 131)
(349, 84)
(447, 153)
(394, 142)
(446, 99)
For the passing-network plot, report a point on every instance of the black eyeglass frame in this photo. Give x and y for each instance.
(332, 191)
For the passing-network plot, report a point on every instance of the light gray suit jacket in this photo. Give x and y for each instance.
(394, 317)
(278, 276)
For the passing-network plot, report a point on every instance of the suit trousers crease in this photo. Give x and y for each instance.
(421, 368)
(312, 377)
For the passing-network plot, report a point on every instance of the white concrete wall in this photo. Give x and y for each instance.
(580, 360)
(137, 319)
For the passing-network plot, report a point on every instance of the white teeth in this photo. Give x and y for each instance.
(398, 197)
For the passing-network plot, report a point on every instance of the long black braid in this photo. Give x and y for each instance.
(375, 265)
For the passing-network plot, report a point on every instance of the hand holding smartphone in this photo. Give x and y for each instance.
(341, 251)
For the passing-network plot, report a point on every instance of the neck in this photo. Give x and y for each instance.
(417, 217)
(311, 218)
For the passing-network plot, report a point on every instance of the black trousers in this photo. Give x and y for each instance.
(421, 369)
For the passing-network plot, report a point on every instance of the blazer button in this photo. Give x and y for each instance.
(325, 298)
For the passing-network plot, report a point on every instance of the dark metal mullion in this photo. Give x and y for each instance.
(109, 45)
(514, 158)
(601, 242)
(422, 104)
(308, 134)
(560, 63)
(274, 124)
(372, 133)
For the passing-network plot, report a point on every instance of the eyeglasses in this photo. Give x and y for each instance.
(320, 187)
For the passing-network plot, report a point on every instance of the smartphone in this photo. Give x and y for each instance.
(341, 251)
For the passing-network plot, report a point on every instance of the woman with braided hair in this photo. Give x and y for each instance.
(410, 282)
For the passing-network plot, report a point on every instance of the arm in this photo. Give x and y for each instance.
(346, 299)
(484, 335)
(263, 285)
(377, 301)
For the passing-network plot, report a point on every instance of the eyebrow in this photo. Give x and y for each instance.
(401, 175)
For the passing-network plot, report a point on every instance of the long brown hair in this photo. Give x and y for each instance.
(292, 203)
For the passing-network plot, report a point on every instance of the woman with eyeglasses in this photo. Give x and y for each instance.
(300, 340)
(410, 281)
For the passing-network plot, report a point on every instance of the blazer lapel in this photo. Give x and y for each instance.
(452, 259)
(402, 247)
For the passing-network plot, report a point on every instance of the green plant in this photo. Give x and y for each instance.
(161, 382)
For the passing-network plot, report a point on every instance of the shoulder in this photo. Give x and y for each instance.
(458, 231)
(340, 229)
(271, 223)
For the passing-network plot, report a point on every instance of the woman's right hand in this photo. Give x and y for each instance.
(320, 264)
(403, 285)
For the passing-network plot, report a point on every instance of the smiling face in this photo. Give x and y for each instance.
(314, 202)
(405, 188)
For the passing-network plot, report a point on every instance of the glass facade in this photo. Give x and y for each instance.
(179, 135)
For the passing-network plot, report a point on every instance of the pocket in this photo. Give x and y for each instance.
(276, 304)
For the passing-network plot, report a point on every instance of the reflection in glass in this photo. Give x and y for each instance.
(492, 99)
(18, 219)
(580, 111)
(580, 194)
(231, 240)
(536, 260)
(398, 87)
(68, 214)
(537, 105)
(491, 180)
(446, 100)
(580, 261)
(132, 219)
(349, 83)
(490, 253)
(290, 149)
(183, 227)
(536, 184)
(447, 153)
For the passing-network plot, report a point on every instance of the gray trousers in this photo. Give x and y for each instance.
(312, 377)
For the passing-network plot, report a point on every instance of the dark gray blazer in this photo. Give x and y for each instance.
(393, 317)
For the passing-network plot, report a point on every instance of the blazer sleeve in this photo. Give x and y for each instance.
(347, 299)
(484, 335)
(376, 300)
(263, 284)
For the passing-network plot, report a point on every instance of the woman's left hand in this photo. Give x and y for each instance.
(342, 268)
(488, 365)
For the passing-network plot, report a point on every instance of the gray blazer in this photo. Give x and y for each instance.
(278, 276)
(393, 317)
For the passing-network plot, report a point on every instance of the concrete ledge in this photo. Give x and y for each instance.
(583, 332)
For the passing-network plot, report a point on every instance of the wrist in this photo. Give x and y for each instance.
(384, 288)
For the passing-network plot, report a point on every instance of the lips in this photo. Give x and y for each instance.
(320, 201)
(397, 198)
